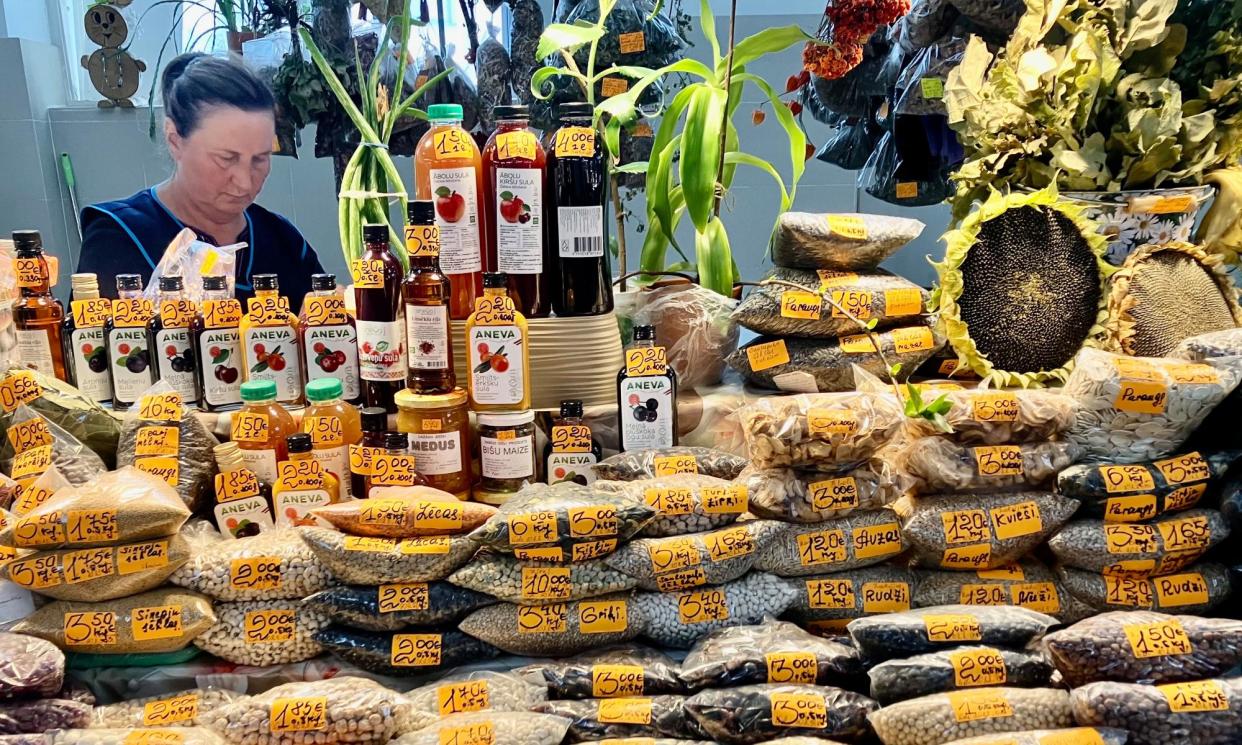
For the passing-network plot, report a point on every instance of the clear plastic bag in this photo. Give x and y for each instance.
(32, 667)
(132, 735)
(37, 492)
(682, 562)
(780, 310)
(357, 710)
(77, 463)
(78, 414)
(397, 654)
(981, 531)
(165, 620)
(1212, 345)
(1026, 583)
(1197, 589)
(460, 692)
(42, 715)
(615, 672)
(263, 632)
(119, 507)
(802, 496)
(634, 465)
(516, 727)
(1099, 735)
(920, 88)
(392, 607)
(1144, 647)
(772, 652)
(1163, 546)
(819, 430)
(842, 242)
(100, 573)
(700, 321)
(178, 709)
(1139, 492)
(678, 620)
(862, 539)
(556, 630)
(941, 467)
(945, 717)
(540, 583)
(269, 566)
(684, 503)
(377, 561)
(405, 512)
(611, 718)
(825, 603)
(999, 417)
(189, 258)
(1207, 712)
(186, 460)
(1139, 409)
(912, 632)
(757, 713)
(960, 668)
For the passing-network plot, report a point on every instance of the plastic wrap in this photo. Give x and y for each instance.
(634, 465)
(1094, 735)
(133, 735)
(683, 562)
(1207, 712)
(842, 242)
(337, 710)
(940, 466)
(981, 531)
(493, 70)
(827, 365)
(99, 573)
(405, 512)
(377, 561)
(186, 459)
(772, 652)
(1196, 589)
(1212, 345)
(954, 669)
(31, 667)
(780, 310)
(945, 717)
(1142, 491)
(699, 320)
(1163, 546)
(1026, 583)
(61, 403)
(805, 496)
(556, 630)
(678, 620)
(927, 21)
(263, 632)
(29, 431)
(920, 88)
(913, 632)
(164, 620)
(392, 607)
(460, 692)
(862, 539)
(615, 672)
(757, 713)
(26, 499)
(516, 727)
(634, 34)
(269, 566)
(999, 15)
(825, 603)
(178, 709)
(185, 256)
(1138, 409)
(685, 502)
(42, 715)
(398, 654)
(609, 718)
(540, 583)
(1000, 417)
(819, 430)
(526, 24)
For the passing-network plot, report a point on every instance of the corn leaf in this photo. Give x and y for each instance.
(700, 153)
(568, 37)
(768, 41)
(714, 258)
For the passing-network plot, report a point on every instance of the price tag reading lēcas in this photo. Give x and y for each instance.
(269, 626)
(672, 465)
(32, 433)
(160, 407)
(169, 711)
(971, 706)
(1017, 520)
(792, 667)
(1158, 639)
(646, 361)
(998, 461)
(222, 314)
(18, 388)
(162, 622)
(455, 698)
(624, 711)
(451, 144)
(801, 710)
(801, 304)
(589, 522)
(978, 667)
(616, 681)
(132, 313)
(234, 485)
(93, 313)
(572, 438)
(325, 310)
(521, 144)
(404, 596)
(532, 527)
(1201, 695)
(392, 469)
(766, 356)
(955, 627)
(255, 573)
(416, 650)
(304, 714)
(157, 440)
(575, 142)
(702, 607)
(543, 619)
(90, 629)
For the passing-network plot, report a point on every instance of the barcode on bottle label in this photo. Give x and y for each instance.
(581, 231)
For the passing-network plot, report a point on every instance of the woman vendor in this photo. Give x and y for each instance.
(220, 127)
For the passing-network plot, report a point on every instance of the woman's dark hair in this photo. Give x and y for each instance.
(194, 82)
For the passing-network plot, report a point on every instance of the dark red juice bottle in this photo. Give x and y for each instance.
(577, 231)
(381, 319)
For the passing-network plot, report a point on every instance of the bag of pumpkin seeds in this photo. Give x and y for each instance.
(822, 302)
(1002, 417)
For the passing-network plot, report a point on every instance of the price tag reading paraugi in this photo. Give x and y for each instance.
(646, 361)
(801, 304)
(169, 711)
(970, 706)
(157, 440)
(978, 667)
(416, 650)
(765, 356)
(616, 681)
(1201, 695)
(455, 698)
(575, 142)
(303, 714)
(532, 527)
(1158, 639)
(1141, 397)
(671, 465)
(32, 433)
(624, 711)
(792, 667)
(801, 710)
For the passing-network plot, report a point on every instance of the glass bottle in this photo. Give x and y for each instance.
(125, 334)
(439, 430)
(374, 422)
(168, 338)
(333, 425)
(217, 345)
(329, 339)
(577, 231)
(393, 465)
(37, 315)
(498, 356)
(86, 354)
(514, 166)
(302, 486)
(270, 340)
(243, 502)
(381, 319)
(429, 336)
(571, 448)
(260, 429)
(449, 170)
(647, 395)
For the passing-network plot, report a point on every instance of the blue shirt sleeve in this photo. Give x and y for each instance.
(109, 249)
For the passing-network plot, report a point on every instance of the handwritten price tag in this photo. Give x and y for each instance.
(132, 312)
(169, 711)
(603, 616)
(90, 314)
(90, 629)
(646, 361)
(160, 407)
(31, 433)
(801, 710)
(222, 314)
(543, 619)
(1202, 695)
(422, 241)
(520, 145)
(978, 667)
(303, 714)
(405, 596)
(162, 622)
(999, 461)
(269, 310)
(164, 468)
(269, 626)
(416, 650)
(157, 440)
(452, 144)
(255, 573)
(616, 681)
(672, 465)
(848, 226)
(958, 627)
(792, 667)
(177, 314)
(234, 485)
(532, 527)
(575, 142)
(702, 607)
(17, 389)
(472, 695)
(325, 310)
(765, 356)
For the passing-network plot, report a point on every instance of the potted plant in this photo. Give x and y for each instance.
(240, 19)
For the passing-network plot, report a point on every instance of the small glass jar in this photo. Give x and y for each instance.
(439, 430)
(506, 455)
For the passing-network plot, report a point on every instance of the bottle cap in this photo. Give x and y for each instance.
(575, 110)
(265, 281)
(129, 282)
(374, 419)
(324, 389)
(375, 233)
(396, 441)
(444, 112)
(258, 390)
(228, 454)
(215, 283)
(171, 284)
(84, 282)
(408, 399)
(571, 408)
(323, 282)
(27, 240)
(495, 279)
(299, 442)
(644, 333)
(512, 112)
(422, 212)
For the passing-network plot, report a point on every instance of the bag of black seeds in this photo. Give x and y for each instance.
(808, 496)
(682, 562)
(757, 713)
(851, 144)
(781, 310)
(1139, 492)
(954, 669)
(1196, 589)
(945, 717)
(399, 654)
(841, 242)
(826, 603)
(920, 88)
(771, 652)
(896, 635)
(1163, 546)
(35, 443)
(908, 167)
(615, 672)
(608, 718)
(634, 465)
(162, 437)
(556, 630)
(392, 607)
(1204, 712)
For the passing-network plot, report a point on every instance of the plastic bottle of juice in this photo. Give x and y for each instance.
(333, 425)
(270, 340)
(168, 338)
(125, 334)
(37, 315)
(260, 429)
(381, 319)
(329, 338)
(498, 369)
(303, 484)
(217, 344)
(243, 502)
(86, 355)
(514, 166)
(449, 169)
(429, 336)
(374, 421)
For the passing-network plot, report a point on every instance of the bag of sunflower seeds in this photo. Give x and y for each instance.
(820, 304)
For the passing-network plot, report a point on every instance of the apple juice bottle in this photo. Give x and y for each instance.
(374, 422)
(260, 429)
(270, 340)
(571, 449)
(125, 333)
(449, 170)
(243, 502)
(498, 356)
(514, 166)
(429, 336)
(333, 425)
(86, 355)
(37, 315)
(168, 338)
(302, 486)
(217, 346)
(577, 191)
(381, 319)
(329, 338)
(647, 395)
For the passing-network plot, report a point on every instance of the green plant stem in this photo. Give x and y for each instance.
(724, 124)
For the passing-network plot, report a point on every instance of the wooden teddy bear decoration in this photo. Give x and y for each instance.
(114, 73)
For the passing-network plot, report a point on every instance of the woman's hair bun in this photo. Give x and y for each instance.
(193, 82)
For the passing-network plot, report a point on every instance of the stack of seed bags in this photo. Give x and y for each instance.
(824, 293)
(983, 474)
(391, 611)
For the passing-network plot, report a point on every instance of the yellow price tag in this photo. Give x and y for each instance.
(302, 714)
(955, 627)
(269, 626)
(616, 681)
(792, 667)
(801, 710)
(157, 440)
(672, 465)
(416, 650)
(255, 573)
(405, 596)
(575, 142)
(646, 361)
(222, 314)
(978, 667)
(452, 144)
(521, 145)
(325, 310)
(853, 227)
(162, 622)
(93, 313)
(768, 355)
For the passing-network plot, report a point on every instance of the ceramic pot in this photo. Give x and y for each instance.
(1132, 219)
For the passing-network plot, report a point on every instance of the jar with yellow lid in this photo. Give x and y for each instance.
(439, 430)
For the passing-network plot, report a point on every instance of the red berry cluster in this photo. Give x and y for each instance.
(831, 61)
(848, 24)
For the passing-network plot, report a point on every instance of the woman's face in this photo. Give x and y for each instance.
(226, 159)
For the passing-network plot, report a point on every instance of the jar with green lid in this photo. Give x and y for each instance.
(439, 430)
(506, 455)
